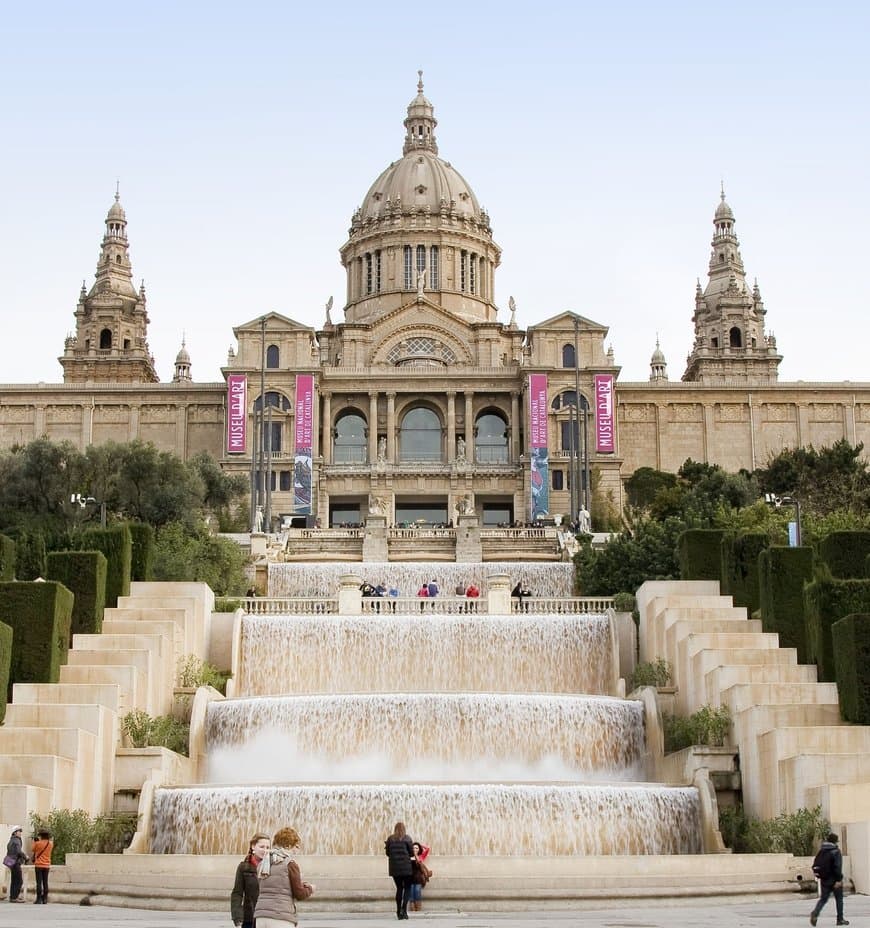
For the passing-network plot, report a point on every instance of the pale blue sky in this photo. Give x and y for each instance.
(244, 136)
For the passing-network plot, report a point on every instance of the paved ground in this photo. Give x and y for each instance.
(715, 913)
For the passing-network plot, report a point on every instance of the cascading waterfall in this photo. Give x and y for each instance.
(435, 653)
(311, 580)
(426, 736)
(528, 819)
(488, 735)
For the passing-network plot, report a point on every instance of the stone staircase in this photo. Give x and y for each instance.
(794, 749)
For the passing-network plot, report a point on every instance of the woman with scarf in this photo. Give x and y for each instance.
(246, 889)
(280, 883)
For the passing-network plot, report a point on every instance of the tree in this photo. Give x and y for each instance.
(645, 484)
(182, 552)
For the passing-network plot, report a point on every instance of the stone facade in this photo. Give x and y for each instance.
(422, 392)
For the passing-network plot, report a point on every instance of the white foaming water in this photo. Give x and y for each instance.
(378, 654)
(308, 580)
(434, 737)
(474, 819)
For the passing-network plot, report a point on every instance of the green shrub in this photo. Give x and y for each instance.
(84, 574)
(73, 831)
(117, 545)
(782, 573)
(7, 558)
(39, 615)
(141, 550)
(624, 602)
(30, 556)
(700, 554)
(5, 662)
(741, 579)
(193, 672)
(226, 604)
(708, 727)
(827, 601)
(851, 645)
(845, 553)
(794, 833)
(651, 673)
(161, 731)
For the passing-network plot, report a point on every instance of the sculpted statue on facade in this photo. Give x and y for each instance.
(421, 282)
(460, 450)
(382, 450)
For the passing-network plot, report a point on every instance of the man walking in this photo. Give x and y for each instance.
(828, 868)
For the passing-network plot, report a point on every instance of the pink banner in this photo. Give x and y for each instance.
(604, 434)
(538, 409)
(237, 413)
(304, 445)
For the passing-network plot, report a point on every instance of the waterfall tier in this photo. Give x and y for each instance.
(425, 737)
(310, 580)
(481, 820)
(431, 653)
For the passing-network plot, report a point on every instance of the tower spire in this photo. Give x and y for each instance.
(420, 123)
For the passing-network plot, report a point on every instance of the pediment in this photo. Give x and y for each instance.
(423, 313)
(275, 322)
(564, 322)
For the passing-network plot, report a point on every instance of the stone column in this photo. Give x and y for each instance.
(349, 595)
(39, 420)
(451, 426)
(391, 428)
(134, 424)
(373, 427)
(514, 449)
(181, 413)
(498, 594)
(469, 428)
(468, 547)
(326, 449)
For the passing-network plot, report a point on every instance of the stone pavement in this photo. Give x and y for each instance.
(688, 913)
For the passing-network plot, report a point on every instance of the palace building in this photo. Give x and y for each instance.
(427, 400)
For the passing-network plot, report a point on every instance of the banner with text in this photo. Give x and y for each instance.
(604, 418)
(539, 451)
(237, 413)
(304, 444)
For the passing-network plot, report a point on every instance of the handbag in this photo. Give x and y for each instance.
(10, 860)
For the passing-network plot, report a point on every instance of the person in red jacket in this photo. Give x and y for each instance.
(41, 852)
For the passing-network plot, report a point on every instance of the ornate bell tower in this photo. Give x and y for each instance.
(730, 343)
(110, 342)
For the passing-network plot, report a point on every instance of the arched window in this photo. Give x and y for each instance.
(564, 399)
(735, 338)
(351, 439)
(272, 356)
(420, 436)
(273, 399)
(569, 357)
(491, 439)
(106, 338)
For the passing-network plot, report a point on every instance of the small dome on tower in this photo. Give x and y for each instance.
(723, 210)
(658, 356)
(116, 211)
(182, 357)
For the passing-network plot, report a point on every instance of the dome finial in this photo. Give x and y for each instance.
(420, 81)
(722, 189)
(117, 190)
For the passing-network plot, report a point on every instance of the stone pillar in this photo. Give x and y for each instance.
(498, 594)
(349, 595)
(469, 428)
(258, 544)
(133, 434)
(181, 430)
(451, 426)
(468, 547)
(375, 548)
(326, 449)
(39, 420)
(373, 427)
(391, 428)
(514, 449)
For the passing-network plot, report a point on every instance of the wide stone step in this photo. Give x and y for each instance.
(129, 682)
(74, 694)
(720, 678)
(745, 695)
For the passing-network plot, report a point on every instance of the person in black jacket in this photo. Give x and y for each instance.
(828, 867)
(246, 889)
(16, 856)
(400, 850)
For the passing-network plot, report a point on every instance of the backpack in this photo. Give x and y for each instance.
(823, 864)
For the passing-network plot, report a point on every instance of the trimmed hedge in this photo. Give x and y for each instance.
(699, 551)
(30, 556)
(39, 615)
(142, 554)
(84, 573)
(851, 641)
(741, 578)
(846, 554)
(827, 601)
(5, 662)
(7, 558)
(117, 545)
(782, 573)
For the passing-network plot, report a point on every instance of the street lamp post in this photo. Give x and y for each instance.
(776, 501)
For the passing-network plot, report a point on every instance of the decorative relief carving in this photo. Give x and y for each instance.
(206, 413)
(158, 412)
(825, 412)
(639, 413)
(687, 412)
(779, 412)
(63, 414)
(103, 414)
(17, 414)
(732, 412)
